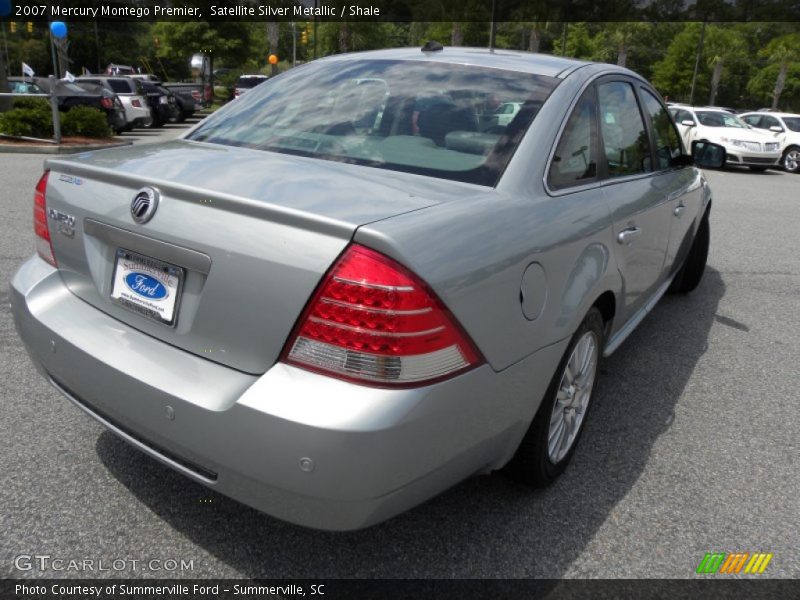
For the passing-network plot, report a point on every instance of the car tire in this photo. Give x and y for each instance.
(791, 159)
(691, 272)
(543, 453)
(758, 169)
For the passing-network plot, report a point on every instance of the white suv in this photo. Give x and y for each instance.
(786, 126)
(743, 144)
(130, 93)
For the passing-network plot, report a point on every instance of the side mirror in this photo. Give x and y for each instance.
(708, 155)
(687, 122)
(776, 129)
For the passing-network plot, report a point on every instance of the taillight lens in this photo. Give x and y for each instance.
(371, 320)
(43, 244)
(135, 102)
(107, 103)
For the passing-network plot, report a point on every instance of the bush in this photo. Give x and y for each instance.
(85, 121)
(38, 104)
(30, 117)
(33, 117)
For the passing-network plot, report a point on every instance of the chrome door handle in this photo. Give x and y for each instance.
(679, 210)
(627, 236)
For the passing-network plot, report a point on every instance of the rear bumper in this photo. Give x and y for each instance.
(375, 452)
(136, 115)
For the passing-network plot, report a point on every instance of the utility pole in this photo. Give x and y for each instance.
(5, 103)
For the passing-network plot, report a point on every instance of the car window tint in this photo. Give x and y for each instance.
(575, 158)
(625, 139)
(668, 144)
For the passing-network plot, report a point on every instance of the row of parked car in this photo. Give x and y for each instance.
(129, 101)
(756, 139)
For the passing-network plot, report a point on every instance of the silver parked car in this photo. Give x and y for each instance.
(332, 301)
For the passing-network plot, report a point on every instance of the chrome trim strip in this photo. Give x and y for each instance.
(637, 318)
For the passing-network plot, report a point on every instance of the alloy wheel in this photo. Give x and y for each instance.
(791, 160)
(572, 397)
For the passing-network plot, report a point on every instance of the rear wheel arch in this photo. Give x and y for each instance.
(606, 303)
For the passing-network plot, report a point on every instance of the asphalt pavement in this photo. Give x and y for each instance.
(691, 446)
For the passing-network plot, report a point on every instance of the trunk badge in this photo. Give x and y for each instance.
(65, 222)
(144, 204)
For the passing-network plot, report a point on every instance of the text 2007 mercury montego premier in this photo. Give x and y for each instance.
(354, 287)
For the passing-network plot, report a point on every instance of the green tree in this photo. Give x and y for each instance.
(228, 41)
(782, 51)
(723, 47)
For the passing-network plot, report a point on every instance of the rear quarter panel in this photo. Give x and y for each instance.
(474, 254)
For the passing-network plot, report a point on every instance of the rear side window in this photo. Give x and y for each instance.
(625, 139)
(575, 158)
(668, 145)
(120, 86)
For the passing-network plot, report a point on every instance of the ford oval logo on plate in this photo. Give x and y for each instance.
(146, 286)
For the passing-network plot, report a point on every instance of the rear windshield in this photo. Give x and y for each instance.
(249, 82)
(431, 119)
(120, 86)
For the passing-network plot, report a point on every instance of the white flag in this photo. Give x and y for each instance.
(26, 70)
(68, 77)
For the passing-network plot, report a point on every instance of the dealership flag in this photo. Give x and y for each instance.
(26, 70)
(69, 77)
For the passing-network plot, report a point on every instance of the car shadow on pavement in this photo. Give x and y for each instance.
(487, 526)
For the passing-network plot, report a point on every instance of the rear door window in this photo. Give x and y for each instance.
(575, 159)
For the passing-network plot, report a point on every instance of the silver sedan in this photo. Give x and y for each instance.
(353, 287)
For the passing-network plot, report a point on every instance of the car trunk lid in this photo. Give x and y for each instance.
(250, 233)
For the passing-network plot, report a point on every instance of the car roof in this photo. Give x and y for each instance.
(772, 114)
(510, 60)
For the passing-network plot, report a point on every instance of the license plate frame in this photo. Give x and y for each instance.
(144, 301)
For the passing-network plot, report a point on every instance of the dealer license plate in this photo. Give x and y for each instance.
(147, 286)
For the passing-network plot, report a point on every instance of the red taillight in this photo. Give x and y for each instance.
(43, 244)
(136, 103)
(107, 103)
(372, 320)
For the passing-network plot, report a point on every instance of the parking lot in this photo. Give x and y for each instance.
(691, 446)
